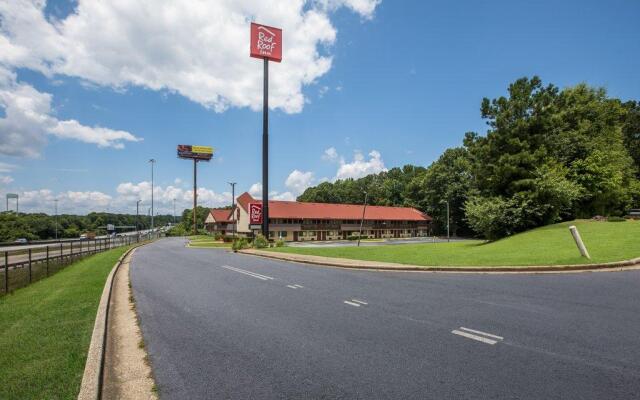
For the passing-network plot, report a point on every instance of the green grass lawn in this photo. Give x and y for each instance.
(549, 245)
(45, 330)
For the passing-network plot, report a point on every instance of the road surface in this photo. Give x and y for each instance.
(229, 326)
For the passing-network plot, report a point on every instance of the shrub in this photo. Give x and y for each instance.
(260, 242)
(279, 243)
(239, 244)
(177, 230)
(227, 239)
(352, 237)
(217, 236)
(615, 219)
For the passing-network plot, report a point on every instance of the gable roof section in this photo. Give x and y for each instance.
(300, 210)
(221, 215)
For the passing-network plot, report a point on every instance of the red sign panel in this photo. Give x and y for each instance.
(255, 213)
(266, 42)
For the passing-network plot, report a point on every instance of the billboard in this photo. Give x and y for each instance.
(266, 42)
(255, 213)
(201, 153)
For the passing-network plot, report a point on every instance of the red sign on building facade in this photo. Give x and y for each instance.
(266, 42)
(255, 213)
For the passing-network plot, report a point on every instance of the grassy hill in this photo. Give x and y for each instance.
(549, 245)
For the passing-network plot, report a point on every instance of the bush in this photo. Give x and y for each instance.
(615, 219)
(279, 243)
(352, 237)
(217, 236)
(177, 230)
(239, 244)
(227, 239)
(260, 242)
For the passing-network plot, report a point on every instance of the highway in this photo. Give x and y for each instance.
(223, 325)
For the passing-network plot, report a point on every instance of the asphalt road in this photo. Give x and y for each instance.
(226, 326)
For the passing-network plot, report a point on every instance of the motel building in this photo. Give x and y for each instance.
(295, 221)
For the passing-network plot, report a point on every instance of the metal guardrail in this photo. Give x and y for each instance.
(20, 267)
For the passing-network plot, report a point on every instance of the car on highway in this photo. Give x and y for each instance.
(21, 240)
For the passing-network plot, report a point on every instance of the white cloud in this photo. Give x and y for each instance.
(199, 51)
(69, 202)
(256, 190)
(298, 181)
(360, 167)
(330, 154)
(365, 8)
(6, 167)
(5, 179)
(285, 196)
(28, 120)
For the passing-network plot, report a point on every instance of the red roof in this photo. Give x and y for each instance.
(300, 210)
(221, 215)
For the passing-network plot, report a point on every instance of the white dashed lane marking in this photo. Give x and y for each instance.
(480, 336)
(359, 302)
(249, 273)
(351, 303)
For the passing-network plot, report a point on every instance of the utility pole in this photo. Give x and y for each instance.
(152, 161)
(174, 211)
(55, 201)
(233, 206)
(364, 209)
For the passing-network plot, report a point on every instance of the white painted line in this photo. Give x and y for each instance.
(299, 286)
(474, 337)
(351, 303)
(292, 286)
(359, 301)
(482, 333)
(249, 273)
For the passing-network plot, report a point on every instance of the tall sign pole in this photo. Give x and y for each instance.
(195, 153)
(265, 151)
(266, 43)
(195, 195)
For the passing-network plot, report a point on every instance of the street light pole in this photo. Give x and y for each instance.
(448, 222)
(233, 206)
(56, 219)
(137, 216)
(152, 161)
(364, 209)
(174, 211)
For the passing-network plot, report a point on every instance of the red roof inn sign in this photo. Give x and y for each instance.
(266, 42)
(255, 213)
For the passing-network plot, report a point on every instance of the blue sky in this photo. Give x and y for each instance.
(404, 83)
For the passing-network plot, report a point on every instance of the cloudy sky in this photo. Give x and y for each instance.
(91, 90)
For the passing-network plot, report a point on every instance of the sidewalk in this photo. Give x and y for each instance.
(127, 375)
(384, 266)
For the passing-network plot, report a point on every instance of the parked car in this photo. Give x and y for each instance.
(21, 240)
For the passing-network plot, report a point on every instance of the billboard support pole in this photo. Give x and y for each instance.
(265, 152)
(195, 194)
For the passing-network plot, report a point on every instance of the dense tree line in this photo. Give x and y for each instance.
(39, 226)
(549, 155)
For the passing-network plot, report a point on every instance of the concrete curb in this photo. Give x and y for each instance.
(91, 386)
(384, 266)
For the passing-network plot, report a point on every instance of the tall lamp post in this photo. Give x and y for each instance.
(137, 216)
(174, 211)
(233, 206)
(55, 201)
(448, 219)
(152, 161)
(364, 209)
